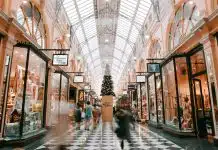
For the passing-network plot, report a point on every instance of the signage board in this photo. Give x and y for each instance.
(60, 60)
(153, 67)
(78, 79)
(140, 78)
(131, 87)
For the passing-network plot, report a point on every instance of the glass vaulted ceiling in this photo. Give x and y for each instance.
(82, 18)
(131, 17)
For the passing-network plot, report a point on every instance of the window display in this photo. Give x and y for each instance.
(169, 95)
(159, 97)
(5, 81)
(56, 77)
(26, 93)
(184, 94)
(152, 98)
(144, 103)
(34, 100)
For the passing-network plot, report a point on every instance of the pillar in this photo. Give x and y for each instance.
(211, 58)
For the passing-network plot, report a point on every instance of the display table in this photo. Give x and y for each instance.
(107, 108)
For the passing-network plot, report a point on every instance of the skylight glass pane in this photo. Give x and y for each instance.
(85, 50)
(120, 43)
(134, 34)
(128, 50)
(124, 60)
(118, 54)
(88, 60)
(95, 54)
(97, 62)
(80, 35)
(93, 43)
(116, 62)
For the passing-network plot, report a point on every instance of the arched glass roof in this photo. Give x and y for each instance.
(131, 16)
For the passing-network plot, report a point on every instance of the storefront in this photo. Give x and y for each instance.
(60, 94)
(155, 99)
(26, 99)
(186, 98)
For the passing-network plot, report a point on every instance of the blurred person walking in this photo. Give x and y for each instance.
(123, 118)
(88, 115)
(95, 113)
(78, 116)
(63, 123)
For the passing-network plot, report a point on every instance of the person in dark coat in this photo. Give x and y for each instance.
(78, 116)
(123, 131)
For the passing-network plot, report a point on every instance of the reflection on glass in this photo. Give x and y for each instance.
(198, 62)
(5, 79)
(169, 92)
(152, 98)
(15, 92)
(184, 94)
(64, 92)
(159, 97)
(34, 99)
(202, 100)
(55, 98)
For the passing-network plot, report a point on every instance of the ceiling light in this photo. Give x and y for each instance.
(67, 35)
(25, 1)
(147, 36)
(106, 40)
(134, 58)
(191, 2)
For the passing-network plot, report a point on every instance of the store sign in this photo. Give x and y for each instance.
(87, 88)
(78, 79)
(153, 67)
(131, 87)
(140, 78)
(60, 59)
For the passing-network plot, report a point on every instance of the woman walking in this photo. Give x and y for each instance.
(78, 116)
(88, 115)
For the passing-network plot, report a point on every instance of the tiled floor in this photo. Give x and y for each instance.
(103, 138)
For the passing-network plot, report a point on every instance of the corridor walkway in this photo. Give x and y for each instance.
(103, 138)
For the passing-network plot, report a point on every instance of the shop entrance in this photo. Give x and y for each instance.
(201, 97)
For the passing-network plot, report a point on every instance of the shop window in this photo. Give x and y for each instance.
(152, 98)
(34, 100)
(169, 95)
(4, 86)
(159, 97)
(31, 19)
(184, 94)
(26, 93)
(198, 62)
(15, 93)
(185, 19)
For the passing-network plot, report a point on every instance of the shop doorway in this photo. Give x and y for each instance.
(201, 97)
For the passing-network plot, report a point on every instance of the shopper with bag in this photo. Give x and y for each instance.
(78, 116)
(88, 115)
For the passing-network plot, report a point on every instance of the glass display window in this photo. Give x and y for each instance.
(152, 98)
(185, 105)
(56, 78)
(5, 82)
(34, 99)
(144, 103)
(159, 97)
(25, 100)
(169, 95)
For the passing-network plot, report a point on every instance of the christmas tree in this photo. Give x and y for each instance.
(107, 84)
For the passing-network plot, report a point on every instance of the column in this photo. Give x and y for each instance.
(211, 59)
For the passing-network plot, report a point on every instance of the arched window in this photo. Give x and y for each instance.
(30, 18)
(185, 19)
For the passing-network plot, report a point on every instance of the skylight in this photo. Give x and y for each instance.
(132, 15)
